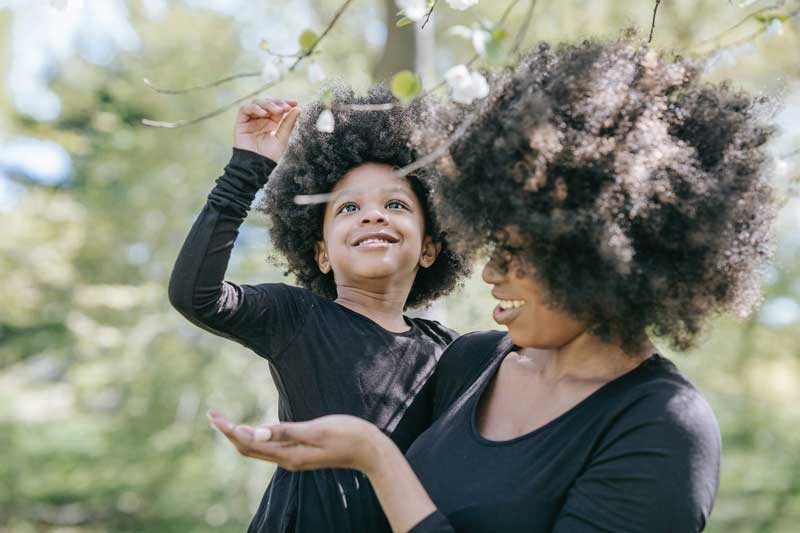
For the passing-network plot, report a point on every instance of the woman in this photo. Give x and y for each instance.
(620, 197)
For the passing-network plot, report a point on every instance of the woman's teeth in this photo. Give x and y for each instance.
(511, 304)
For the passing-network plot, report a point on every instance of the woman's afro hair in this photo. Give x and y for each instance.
(637, 194)
(315, 161)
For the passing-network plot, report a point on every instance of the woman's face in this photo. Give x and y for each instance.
(530, 322)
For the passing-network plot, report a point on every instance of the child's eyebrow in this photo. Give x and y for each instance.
(331, 197)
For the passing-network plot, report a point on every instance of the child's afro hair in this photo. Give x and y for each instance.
(637, 195)
(315, 161)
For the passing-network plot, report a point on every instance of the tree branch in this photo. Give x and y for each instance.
(310, 51)
(210, 114)
(791, 154)
(208, 85)
(222, 109)
(523, 30)
(440, 150)
(430, 12)
(653, 24)
(741, 23)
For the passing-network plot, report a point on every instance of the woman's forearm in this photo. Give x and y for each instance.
(403, 498)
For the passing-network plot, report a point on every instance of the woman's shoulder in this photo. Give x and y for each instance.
(471, 350)
(435, 330)
(662, 397)
(463, 362)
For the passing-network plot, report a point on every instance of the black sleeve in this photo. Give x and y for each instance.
(657, 470)
(197, 288)
(435, 522)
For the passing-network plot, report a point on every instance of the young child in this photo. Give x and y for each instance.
(339, 343)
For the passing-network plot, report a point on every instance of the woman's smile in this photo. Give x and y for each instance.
(507, 310)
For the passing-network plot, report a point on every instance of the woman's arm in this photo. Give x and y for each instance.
(656, 471)
(342, 441)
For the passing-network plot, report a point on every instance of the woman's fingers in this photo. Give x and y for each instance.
(295, 432)
(289, 445)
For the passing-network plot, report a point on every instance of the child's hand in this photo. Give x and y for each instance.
(263, 126)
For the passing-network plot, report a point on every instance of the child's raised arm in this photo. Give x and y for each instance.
(197, 288)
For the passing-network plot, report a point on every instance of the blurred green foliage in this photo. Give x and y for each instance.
(103, 387)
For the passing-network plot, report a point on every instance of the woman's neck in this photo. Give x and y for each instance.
(384, 307)
(586, 358)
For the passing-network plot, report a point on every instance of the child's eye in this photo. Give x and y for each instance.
(348, 208)
(396, 204)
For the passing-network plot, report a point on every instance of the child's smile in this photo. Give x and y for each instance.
(374, 228)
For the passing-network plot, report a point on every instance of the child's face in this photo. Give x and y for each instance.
(374, 231)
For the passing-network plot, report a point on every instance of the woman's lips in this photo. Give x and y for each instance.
(504, 316)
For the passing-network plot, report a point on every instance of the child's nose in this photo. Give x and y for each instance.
(373, 216)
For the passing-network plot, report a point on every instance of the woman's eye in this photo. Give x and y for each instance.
(395, 204)
(348, 208)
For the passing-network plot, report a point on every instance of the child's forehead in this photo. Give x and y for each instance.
(371, 178)
(354, 192)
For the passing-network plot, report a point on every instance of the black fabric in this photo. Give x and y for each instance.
(642, 453)
(323, 357)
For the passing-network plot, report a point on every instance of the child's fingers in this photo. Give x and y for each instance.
(251, 110)
(287, 124)
(273, 106)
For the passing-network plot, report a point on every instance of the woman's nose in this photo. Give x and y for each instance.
(492, 274)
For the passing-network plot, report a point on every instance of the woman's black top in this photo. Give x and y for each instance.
(323, 357)
(642, 453)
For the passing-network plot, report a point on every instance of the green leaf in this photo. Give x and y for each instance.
(405, 21)
(495, 53)
(307, 39)
(327, 98)
(405, 85)
(500, 35)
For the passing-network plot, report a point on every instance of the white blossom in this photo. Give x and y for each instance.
(466, 86)
(270, 73)
(461, 5)
(727, 57)
(479, 40)
(774, 29)
(325, 121)
(314, 73)
(413, 9)
(64, 5)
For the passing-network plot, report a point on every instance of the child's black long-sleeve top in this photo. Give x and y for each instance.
(323, 357)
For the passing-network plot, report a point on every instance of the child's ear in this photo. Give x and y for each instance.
(323, 262)
(430, 251)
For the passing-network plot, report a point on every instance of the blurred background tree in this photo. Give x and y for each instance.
(103, 387)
